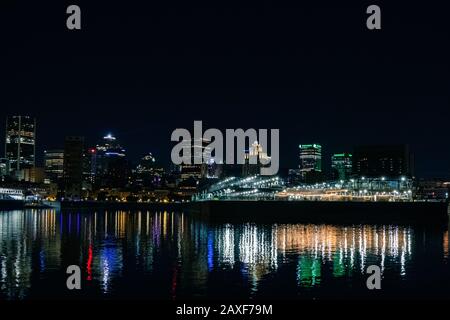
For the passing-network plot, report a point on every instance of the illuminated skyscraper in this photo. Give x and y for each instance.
(254, 160)
(310, 162)
(148, 172)
(54, 164)
(341, 165)
(196, 169)
(90, 165)
(20, 142)
(112, 165)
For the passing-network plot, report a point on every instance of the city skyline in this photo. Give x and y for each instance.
(214, 159)
(314, 72)
(325, 166)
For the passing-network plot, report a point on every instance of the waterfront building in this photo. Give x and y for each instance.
(112, 168)
(73, 167)
(148, 172)
(89, 166)
(20, 142)
(54, 164)
(33, 175)
(293, 177)
(197, 169)
(383, 161)
(432, 189)
(215, 170)
(355, 189)
(255, 187)
(341, 166)
(254, 159)
(310, 162)
(11, 194)
(231, 170)
(186, 189)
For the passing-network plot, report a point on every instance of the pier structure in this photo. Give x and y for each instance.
(274, 188)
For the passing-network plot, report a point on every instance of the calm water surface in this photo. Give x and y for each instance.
(166, 255)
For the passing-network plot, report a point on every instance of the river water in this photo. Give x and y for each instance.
(170, 255)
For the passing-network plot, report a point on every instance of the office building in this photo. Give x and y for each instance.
(20, 142)
(215, 170)
(383, 160)
(54, 164)
(254, 159)
(112, 168)
(73, 167)
(33, 175)
(90, 166)
(310, 162)
(341, 166)
(148, 172)
(197, 169)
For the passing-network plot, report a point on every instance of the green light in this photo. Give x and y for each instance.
(305, 146)
(340, 155)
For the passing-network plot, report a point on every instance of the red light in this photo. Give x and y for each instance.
(89, 263)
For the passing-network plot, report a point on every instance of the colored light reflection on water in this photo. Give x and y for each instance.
(171, 255)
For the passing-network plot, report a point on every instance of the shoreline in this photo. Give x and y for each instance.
(277, 211)
(320, 211)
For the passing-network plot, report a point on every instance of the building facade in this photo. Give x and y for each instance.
(196, 169)
(341, 166)
(112, 168)
(20, 142)
(54, 164)
(383, 160)
(254, 159)
(33, 175)
(73, 167)
(310, 162)
(148, 172)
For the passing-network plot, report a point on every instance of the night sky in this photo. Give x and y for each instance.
(140, 69)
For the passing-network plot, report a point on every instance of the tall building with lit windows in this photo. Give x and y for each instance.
(341, 165)
(111, 163)
(54, 164)
(383, 160)
(148, 173)
(310, 162)
(196, 169)
(254, 159)
(20, 142)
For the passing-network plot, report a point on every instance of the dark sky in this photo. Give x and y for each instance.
(140, 69)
